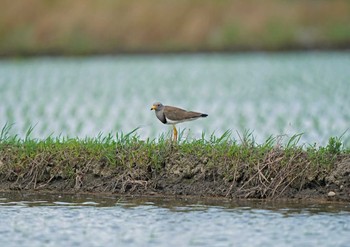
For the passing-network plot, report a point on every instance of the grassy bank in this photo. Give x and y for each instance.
(87, 26)
(211, 166)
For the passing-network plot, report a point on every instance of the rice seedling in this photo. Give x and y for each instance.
(260, 92)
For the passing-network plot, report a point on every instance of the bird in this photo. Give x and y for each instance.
(173, 115)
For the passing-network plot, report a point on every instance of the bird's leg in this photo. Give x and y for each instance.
(175, 133)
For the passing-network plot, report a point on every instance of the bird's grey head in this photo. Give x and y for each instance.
(157, 106)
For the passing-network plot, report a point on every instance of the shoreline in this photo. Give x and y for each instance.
(248, 50)
(166, 197)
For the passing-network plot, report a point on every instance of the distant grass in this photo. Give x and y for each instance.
(85, 27)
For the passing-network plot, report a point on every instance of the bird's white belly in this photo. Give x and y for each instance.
(169, 121)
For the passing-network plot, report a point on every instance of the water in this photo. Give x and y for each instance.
(58, 220)
(267, 93)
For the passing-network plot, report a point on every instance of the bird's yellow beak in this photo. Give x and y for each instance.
(153, 107)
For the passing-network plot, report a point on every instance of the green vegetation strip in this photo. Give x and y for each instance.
(213, 166)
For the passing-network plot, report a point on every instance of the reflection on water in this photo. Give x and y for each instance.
(88, 220)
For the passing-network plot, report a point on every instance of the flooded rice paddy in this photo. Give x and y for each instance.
(268, 94)
(63, 220)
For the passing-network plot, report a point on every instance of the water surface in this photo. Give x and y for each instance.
(58, 220)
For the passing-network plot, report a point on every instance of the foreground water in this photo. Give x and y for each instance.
(267, 93)
(56, 220)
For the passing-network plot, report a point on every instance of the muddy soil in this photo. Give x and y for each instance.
(189, 176)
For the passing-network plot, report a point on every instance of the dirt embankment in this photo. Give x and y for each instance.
(278, 174)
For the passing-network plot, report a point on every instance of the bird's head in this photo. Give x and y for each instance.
(157, 106)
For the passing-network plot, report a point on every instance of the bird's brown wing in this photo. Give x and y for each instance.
(178, 114)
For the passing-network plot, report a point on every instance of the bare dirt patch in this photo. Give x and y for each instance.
(276, 175)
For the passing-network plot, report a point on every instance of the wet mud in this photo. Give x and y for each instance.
(274, 177)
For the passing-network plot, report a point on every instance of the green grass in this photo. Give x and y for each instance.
(243, 167)
(128, 149)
